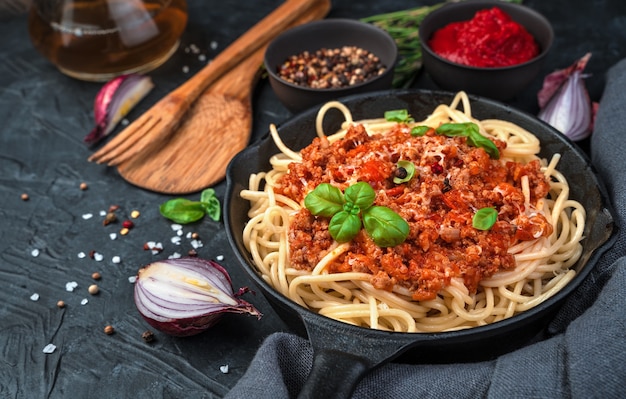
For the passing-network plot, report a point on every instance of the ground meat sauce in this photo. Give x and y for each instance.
(490, 39)
(451, 181)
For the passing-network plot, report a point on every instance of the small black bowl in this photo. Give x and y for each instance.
(330, 34)
(501, 83)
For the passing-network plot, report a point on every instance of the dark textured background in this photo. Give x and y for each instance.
(43, 118)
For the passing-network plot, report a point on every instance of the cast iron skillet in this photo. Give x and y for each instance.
(344, 353)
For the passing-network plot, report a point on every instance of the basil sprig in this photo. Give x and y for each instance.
(398, 115)
(474, 138)
(183, 211)
(485, 218)
(354, 209)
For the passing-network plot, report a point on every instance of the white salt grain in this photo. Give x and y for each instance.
(185, 69)
(34, 297)
(113, 236)
(175, 240)
(70, 286)
(34, 253)
(213, 45)
(85, 301)
(116, 259)
(219, 257)
(176, 227)
(202, 58)
(87, 216)
(98, 257)
(224, 369)
(175, 255)
(81, 255)
(103, 213)
(179, 233)
(132, 279)
(50, 348)
(196, 244)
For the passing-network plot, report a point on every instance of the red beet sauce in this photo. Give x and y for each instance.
(490, 39)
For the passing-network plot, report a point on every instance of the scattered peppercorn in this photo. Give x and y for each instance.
(124, 231)
(96, 276)
(92, 253)
(192, 252)
(113, 208)
(60, 304)
(93, 289)
(401, 173)
(135, 214)
(110, 217)
(108, 330)
(25, 197)
(195, 236)
(147, 336)
(83, 186)
(331, 68)
(128, 224)
(446, 185)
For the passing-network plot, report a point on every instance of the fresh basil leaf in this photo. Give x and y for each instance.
(181, 210)
(325, 200)
(478, 140)
(360, 194)
(384, 226)
(485, 218)
(398, 115)
(455, 129)
(409, 167)
(419, 130)
(344, 226)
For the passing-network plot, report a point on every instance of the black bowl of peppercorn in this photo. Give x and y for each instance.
(485, 47)
(324, 60)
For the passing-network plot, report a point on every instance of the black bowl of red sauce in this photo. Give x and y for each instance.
(489, 48)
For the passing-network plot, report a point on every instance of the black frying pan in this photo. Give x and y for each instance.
(344, 353)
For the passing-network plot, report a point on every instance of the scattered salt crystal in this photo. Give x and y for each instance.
(179, 233)
(176, 226)
(113, 236)
(87, 216)
(185, 69)
(35, 252)
(189, 235)
(196, 244)
(124, 122)
(187, 50)
(85, 301)
(69, 286)
(98, 257)
(132, 279)
(175, 240)
(81, 255)
(194, 49)
(175, 255)
(219, 257)
(103, 213)
(116, 259)
(213, 45)
(151, 244)
(50, 348)
(224, 369)
(202, 58)
(34, 297)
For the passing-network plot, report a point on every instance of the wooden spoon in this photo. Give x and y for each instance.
(215, 128)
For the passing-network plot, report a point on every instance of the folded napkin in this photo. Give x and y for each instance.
(584, 356)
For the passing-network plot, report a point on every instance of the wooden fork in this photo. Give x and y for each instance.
(162, 118)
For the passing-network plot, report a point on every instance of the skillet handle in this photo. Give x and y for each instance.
(334, 375)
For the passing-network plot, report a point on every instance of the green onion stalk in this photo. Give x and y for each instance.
(403, 26)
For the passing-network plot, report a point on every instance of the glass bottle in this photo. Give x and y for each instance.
(97, 40)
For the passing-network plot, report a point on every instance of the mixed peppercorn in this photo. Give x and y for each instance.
(331, 68)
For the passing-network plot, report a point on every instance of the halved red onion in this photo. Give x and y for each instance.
(186, 296)
(113, 102)
(564, 101)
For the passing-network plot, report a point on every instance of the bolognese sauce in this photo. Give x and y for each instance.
(452, 180)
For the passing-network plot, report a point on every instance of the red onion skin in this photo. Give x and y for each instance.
(565, 103)
(188, 326)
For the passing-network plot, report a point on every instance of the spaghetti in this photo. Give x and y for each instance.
(346, 282)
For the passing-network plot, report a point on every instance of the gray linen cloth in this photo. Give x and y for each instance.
(584, 356)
